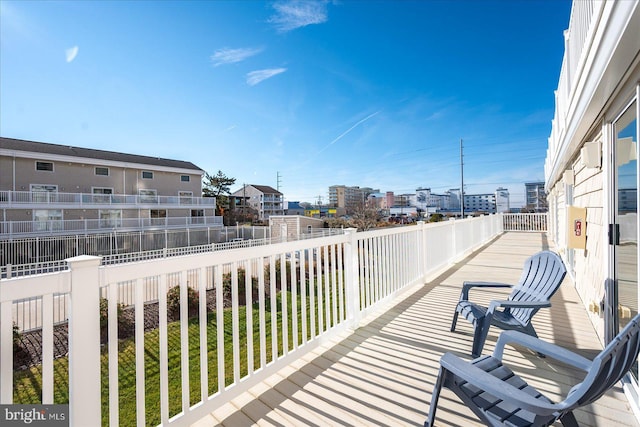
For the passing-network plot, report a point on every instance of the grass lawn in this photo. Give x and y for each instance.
(27, 383)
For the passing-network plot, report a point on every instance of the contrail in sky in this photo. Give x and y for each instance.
(349, 130)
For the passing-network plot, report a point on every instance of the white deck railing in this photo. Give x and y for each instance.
(27, 313)
(534, 222)
(302, 293)
(20, 199)
(20, 256)
(15, 229)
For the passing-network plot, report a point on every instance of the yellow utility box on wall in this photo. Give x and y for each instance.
(576, 227)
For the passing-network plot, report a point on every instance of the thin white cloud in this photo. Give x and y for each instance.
(230, 56)
(71, 53)
(292, 14)
(255, 77)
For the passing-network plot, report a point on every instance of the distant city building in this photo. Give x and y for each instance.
(377, 201)
(425, 200)
(474, 203)
(502, 200)
(535, 196)
(323, 212)
(293, 208)
(422, 202)
(349, 198)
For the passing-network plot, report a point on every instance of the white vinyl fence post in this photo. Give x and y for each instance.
(351, 278)
(422, 239)
(84, 341)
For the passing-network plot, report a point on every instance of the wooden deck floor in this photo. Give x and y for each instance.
(384, 372)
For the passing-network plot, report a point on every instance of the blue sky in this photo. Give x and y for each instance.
(360, 93)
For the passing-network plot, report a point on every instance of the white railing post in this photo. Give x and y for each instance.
(351, 278)
(84, 341)
(422, 236)
(454, 248)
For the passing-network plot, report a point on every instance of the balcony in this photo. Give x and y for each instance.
(362, 350)
(49, 200)
(383, 372)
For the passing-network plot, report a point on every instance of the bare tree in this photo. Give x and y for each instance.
(364, 217)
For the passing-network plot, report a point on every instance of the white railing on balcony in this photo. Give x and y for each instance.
(12, 229)
(27, 313)
(18, 199)
(258, 309)
(534, 222)
(45, 254)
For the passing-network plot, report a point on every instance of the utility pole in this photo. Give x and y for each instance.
(461, 181)
(244, 197)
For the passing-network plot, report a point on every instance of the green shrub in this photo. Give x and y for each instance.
(16, 335)
(125, 326)
(242, 288)
(173, 302)
(278, 268)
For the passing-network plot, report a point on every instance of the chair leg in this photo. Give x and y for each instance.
(434, 397)
(455, 320)
(480, 331)
(531, 331)
(569, 420)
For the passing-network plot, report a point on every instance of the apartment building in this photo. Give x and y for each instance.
(348, 198)
(536, 197)
(265, 200)
(485, 203)
(51, 188)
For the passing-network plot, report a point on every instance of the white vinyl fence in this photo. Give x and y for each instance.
(254, 310)
(531, 222)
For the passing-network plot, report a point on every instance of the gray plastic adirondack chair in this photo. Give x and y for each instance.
(541, 277)
(500, 397)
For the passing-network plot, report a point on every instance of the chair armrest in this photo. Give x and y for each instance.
(548, 349)
(517, 304)
(496, 387)
(466, 286)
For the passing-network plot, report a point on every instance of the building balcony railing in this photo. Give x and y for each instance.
(11, 229)
(24, 199)
(276, 199)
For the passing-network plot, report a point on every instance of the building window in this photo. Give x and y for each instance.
(102, 171)
(147, 175)
(185, 178)
(148, 196)
(102, 195)
(197, 216)
(157, 213)
(44, 166)
(41, 193)
(47, 220)
(186, 197)
(110, 218)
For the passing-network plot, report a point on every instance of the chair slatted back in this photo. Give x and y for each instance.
(610, 365)
(541, 278)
